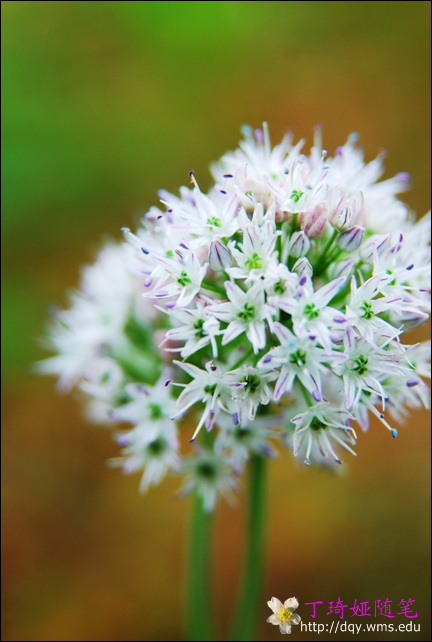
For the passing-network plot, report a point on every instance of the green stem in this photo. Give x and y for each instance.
(199, 616)
(248, 605)
(321, 265)
(306, 395)
(242, 359)
(208, 285)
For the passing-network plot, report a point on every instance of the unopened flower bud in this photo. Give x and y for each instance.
(303, 267)
(377, 243)
(342, 268)
(219, 256)
(346, 211)
(298, 245)
(409, 318)
(351, 239)
(314, 220)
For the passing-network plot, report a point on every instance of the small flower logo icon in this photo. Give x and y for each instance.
(283, 614)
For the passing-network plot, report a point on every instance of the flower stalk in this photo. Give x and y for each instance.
(248, 604)
(199, 617)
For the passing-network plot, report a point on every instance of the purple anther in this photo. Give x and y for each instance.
(258, 136)
(403, 176)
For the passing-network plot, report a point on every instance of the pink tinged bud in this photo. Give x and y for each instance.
(351, 239)
(346, 211)
(298, 245)
(219, 256)
(314, 220)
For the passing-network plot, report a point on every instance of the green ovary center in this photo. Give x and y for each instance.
(214, 222)
(156, 411)
(156, 447)
(183, 279)
(298, 358)
(254, 262)
(209, 389)
(241, 433)
(284, 615)
(279, 287)
(198, 326)
(296, 195)
(310, 311)
(252, 383)
(316, 424)
(248, 312)
(206, 470)
(361, 365)
(368, 313)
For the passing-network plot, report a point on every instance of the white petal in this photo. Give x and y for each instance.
(285, 627)
(232, 331)
(282, 333)
(327, 292)
(295, 618)
(192, 370)
(275, 605)
(291, 603)
(273, 619)
(284, 383)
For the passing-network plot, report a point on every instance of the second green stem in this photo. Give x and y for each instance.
(245, 619)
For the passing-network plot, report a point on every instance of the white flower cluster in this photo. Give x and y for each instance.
(283, 292)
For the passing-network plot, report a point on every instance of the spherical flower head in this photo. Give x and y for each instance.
(283, 614)
(280, 300)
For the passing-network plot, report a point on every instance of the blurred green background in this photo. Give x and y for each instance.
(103, 104)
